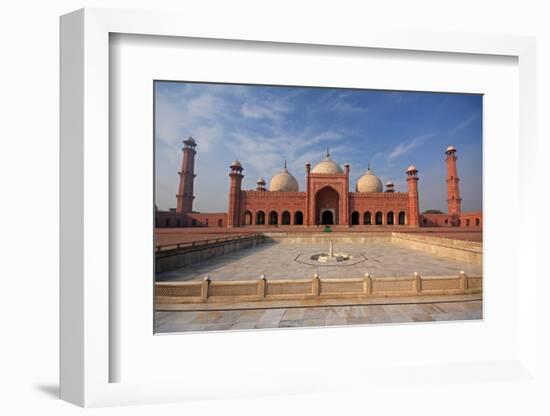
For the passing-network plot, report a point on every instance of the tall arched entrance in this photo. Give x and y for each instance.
(327, 217)
(327, 206)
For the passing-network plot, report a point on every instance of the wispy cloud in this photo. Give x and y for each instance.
(273, 111)
(343, 103)
(464, 123)
(263, 126)
(405, 147)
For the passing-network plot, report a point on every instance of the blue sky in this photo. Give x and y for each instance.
(261, 126)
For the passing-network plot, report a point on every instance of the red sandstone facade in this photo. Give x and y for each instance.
(326, 200)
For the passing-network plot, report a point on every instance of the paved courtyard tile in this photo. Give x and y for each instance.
(186, 321)
(282, 261)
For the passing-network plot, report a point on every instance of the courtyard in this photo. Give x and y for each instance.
(292, 261)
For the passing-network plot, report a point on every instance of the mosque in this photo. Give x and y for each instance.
(326, 199)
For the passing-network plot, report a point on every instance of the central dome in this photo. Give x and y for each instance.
(369, 182)
(283, 181)
(327, 166)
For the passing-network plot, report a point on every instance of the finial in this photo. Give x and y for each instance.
(368, 166)
(285, 163)
(328, 153)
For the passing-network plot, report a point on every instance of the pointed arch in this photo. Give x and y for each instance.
(401, 218)
(367, 220)
(260, 218)
(285, 218)
(273, 218)
(298, 218)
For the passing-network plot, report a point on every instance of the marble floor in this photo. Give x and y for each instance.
(284, 261)
(198, 321)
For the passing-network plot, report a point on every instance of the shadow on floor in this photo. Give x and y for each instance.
(51, 390)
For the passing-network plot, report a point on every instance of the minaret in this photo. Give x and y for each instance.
(187, 177)
(260, 184)
(309, 217)
(345, 199)
(412, 184)
(453, 193)
(234, 211)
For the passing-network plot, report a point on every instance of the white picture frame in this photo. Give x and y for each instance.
(86, 331)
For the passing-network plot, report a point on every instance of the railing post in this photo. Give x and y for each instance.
(367, 285)
(262, 286)
(463, 281)
(204, 288)
(316, 285)
(417, 283)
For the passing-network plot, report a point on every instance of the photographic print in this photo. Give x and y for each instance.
(290, 206)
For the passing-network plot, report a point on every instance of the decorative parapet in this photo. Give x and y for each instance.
(207, 291)
(178, 248)
(328, 175)
(460, 250)
(374, 195)
(267, 194)
(472, 246)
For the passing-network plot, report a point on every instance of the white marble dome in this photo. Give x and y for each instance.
(369, 182)
(283, 181)
(327, 166)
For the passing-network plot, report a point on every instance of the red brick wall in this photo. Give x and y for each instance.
(471, 219)
(465, 219)
(383, 202)
(252, 202)
(165, 219)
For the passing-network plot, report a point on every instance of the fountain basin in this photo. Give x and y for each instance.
(326, 258)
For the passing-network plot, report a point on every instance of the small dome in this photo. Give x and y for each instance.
(283, 181)
(369, 182)
(236, 164)
(411, 168)
(261, 181)
(327, 166)
(389, 183)
(189, 140)
(451, 149)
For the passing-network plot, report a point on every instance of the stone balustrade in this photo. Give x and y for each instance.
(209, 291)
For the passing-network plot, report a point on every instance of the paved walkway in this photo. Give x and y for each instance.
(284, 261)
(166, 322)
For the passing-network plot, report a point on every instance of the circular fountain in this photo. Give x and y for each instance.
(331, 256)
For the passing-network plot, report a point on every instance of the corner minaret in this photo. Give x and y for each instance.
(261, 184)
(412, 184)
(187, 177)
(234, 211)
(453, 193)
